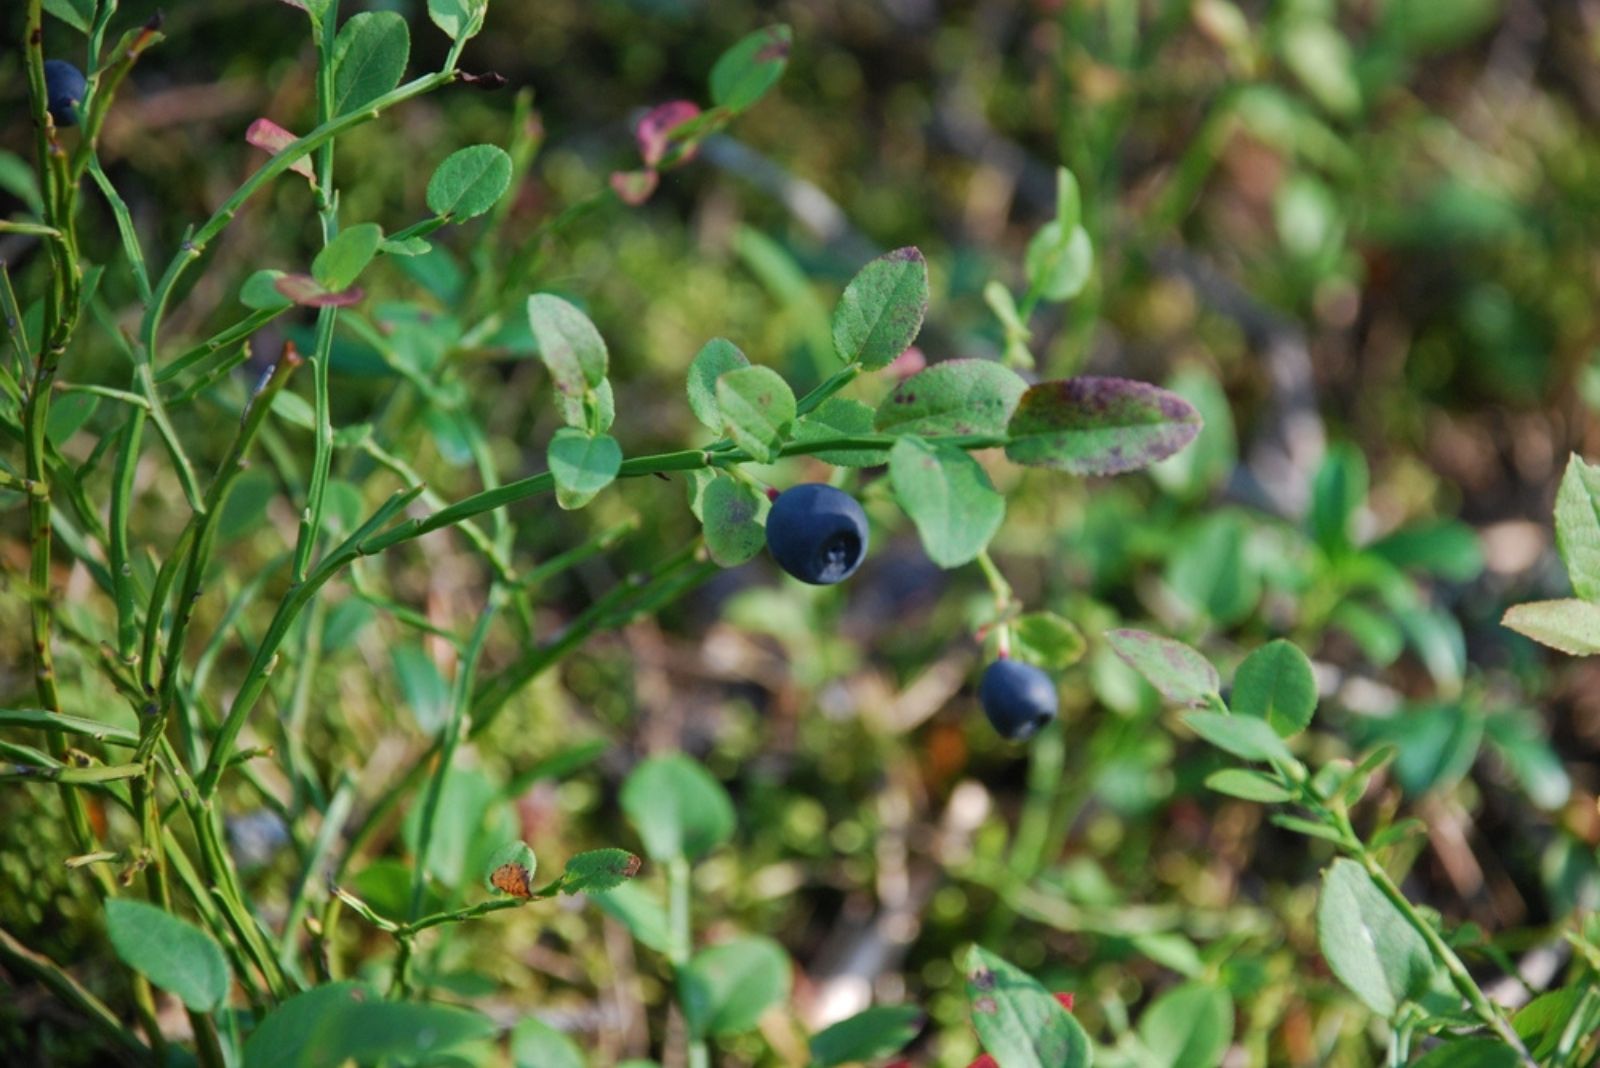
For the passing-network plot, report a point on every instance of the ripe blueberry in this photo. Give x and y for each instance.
(1018, 698)
(817, 533)
(63, 88)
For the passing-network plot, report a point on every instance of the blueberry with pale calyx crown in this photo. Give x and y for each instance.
(63, 88)
(817, 533)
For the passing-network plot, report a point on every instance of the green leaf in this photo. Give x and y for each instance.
(1244, 737)
(1470, 1053)
(880, 312)
(1529, 756)
(1320, 56)
(425, 690)
(582, 465)
(1212, 572)
(1099, 426)
(1368, 942)
(369, 57)
(1046, 639)
(172, 953)
(869, 1035)
(757, 407)
(599, 870)
(1020, 1022)
(744, 73)
(640, 912)
(1179, 673)
(678, 809)
(79, 14)
(1338, 490)
(510, 869)
(1275, 683)
(343, 259)
(953, 397)
(1209, 460)
(1542, 1021)
(1248, 785)
(716, 357)
(732, 512)
(1578, 527)
(1189, 1026)
(1446, 547)
(725, 989)
(840, 417)
(1437, 744)
(459, 19)
(949, 497)
(68, 413)
(260, 291)
(246, 506)
(1059, 261)
(1571, 626)
(571, 348)
(327, 1026)
(469, 181)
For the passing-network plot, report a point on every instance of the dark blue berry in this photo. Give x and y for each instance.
(63, 88)
(817, 533)
(1019, 699)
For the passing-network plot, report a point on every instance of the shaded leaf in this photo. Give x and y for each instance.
(1367, 942)
(1189, 1026)
(744, 73)
(732, 512)
(949, 497)
(343, 259)
(715, 358)
(840, 417)
(598, 870)
(582, 465)
(866, 1036)
(1020, 1022)
(171, 952)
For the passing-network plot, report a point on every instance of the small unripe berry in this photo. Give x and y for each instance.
(64, 88)
(817, 533)
(1018, 698)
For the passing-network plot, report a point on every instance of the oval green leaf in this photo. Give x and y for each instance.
(343, 259)
(1020, 1022)
(1189, 1026)
(1179, 673)
(744, 73)
(725, 989)
(1275, 683)
(369, 58)
(469, 181)
(732, 512)
(678, 809)
(172, 953)
(1367, 941)
(572, 349)
(880, 312)
(840, 417)
(582, 465)
(757, 407)
(715, 358)
(948, 496)
(953, 397)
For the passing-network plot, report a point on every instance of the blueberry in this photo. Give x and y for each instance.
(817, 533)
(63, 86)
(1019, 699)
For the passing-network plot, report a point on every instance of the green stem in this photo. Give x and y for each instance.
(70, 991)
(681, 934)
(455, 728)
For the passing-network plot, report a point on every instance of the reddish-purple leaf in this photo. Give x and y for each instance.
(655, 130)
(269, 136)
(1099, 426)
(305, 290)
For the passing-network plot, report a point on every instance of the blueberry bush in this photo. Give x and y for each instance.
(1054, 620)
